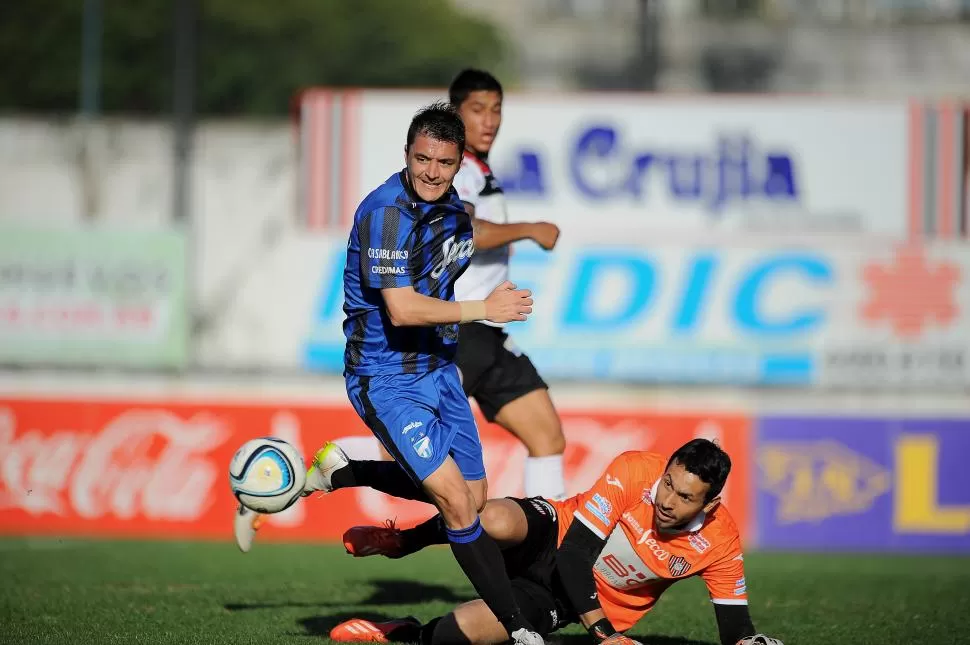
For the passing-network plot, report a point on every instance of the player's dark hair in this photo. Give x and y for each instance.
(441, 122)
(472, 80)
(706, 460)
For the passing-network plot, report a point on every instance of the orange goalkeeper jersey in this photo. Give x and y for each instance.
(639, 563)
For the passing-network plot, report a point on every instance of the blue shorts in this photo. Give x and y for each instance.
(421, 419)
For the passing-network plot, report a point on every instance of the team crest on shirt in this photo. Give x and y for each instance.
(678, 566)
(699, 542)
(423, 448)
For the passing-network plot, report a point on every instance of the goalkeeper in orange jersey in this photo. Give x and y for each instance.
(601, 558)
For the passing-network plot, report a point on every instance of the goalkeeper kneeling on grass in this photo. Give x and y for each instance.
(602, 558)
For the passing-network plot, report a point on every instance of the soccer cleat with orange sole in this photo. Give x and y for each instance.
(358, 630)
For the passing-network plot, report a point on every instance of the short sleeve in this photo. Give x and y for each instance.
(385, 248)
(601, 507)
(469, 183)
(725, 578)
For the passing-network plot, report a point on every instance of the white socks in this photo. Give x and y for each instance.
(544, 478)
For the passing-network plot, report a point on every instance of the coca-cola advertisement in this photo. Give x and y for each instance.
(160, 469)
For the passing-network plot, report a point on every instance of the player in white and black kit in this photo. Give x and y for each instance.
(494, 371)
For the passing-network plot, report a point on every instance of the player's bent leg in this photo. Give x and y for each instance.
(534, 420)
(477, 553)
(452, 495)
(478, 624)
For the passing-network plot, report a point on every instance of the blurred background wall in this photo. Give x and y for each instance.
(764, 209)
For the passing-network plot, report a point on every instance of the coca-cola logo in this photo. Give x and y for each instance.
(144, 463)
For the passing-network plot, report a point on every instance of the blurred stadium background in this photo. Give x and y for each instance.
(765, 215)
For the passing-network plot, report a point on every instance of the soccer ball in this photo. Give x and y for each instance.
(267, 475)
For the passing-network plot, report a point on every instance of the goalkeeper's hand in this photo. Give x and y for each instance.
(759, 639)
(619, 639)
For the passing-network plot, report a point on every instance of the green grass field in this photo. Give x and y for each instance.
(78, 592)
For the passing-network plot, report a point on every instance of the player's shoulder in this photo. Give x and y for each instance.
(474, 165)
(720, 528)
(640, 466)
(643, 459)
(389, 197)
(470, 179)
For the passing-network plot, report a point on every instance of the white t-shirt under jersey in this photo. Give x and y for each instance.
(477, 185)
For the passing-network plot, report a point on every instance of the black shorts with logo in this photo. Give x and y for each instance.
(531, 566)
(492, 369)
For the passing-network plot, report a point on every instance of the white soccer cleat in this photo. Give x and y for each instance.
(327, 461)
(244, 527)
(523, 636)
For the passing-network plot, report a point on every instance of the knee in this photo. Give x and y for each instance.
(496, 522)
(458, 507)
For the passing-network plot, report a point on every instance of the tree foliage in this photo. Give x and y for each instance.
(253, 55)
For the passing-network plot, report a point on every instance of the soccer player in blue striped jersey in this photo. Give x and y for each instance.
(410, 241)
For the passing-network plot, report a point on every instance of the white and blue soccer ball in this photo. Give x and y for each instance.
(267, 475)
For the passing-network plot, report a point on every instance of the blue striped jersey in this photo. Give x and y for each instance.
(398, 240)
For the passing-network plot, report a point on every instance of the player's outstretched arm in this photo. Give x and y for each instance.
(490, 235)
(408, 308)
(575, 559)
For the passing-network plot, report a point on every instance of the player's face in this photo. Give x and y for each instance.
(432, 166)
(680, 497)
(482, 114)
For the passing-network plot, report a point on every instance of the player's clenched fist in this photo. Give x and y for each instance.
(506, 303)
(545, 235)
(759, 639)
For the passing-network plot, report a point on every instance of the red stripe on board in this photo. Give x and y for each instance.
(318, 172)
(350, 186)
(946, 196)
(915, 171)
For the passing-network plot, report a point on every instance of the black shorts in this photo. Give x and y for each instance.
(492, 369)
(532, 569)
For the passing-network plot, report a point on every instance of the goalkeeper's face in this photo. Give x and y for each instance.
(680, 497)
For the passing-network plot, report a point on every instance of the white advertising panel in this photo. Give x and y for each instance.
(761, 314)
(607, 164)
